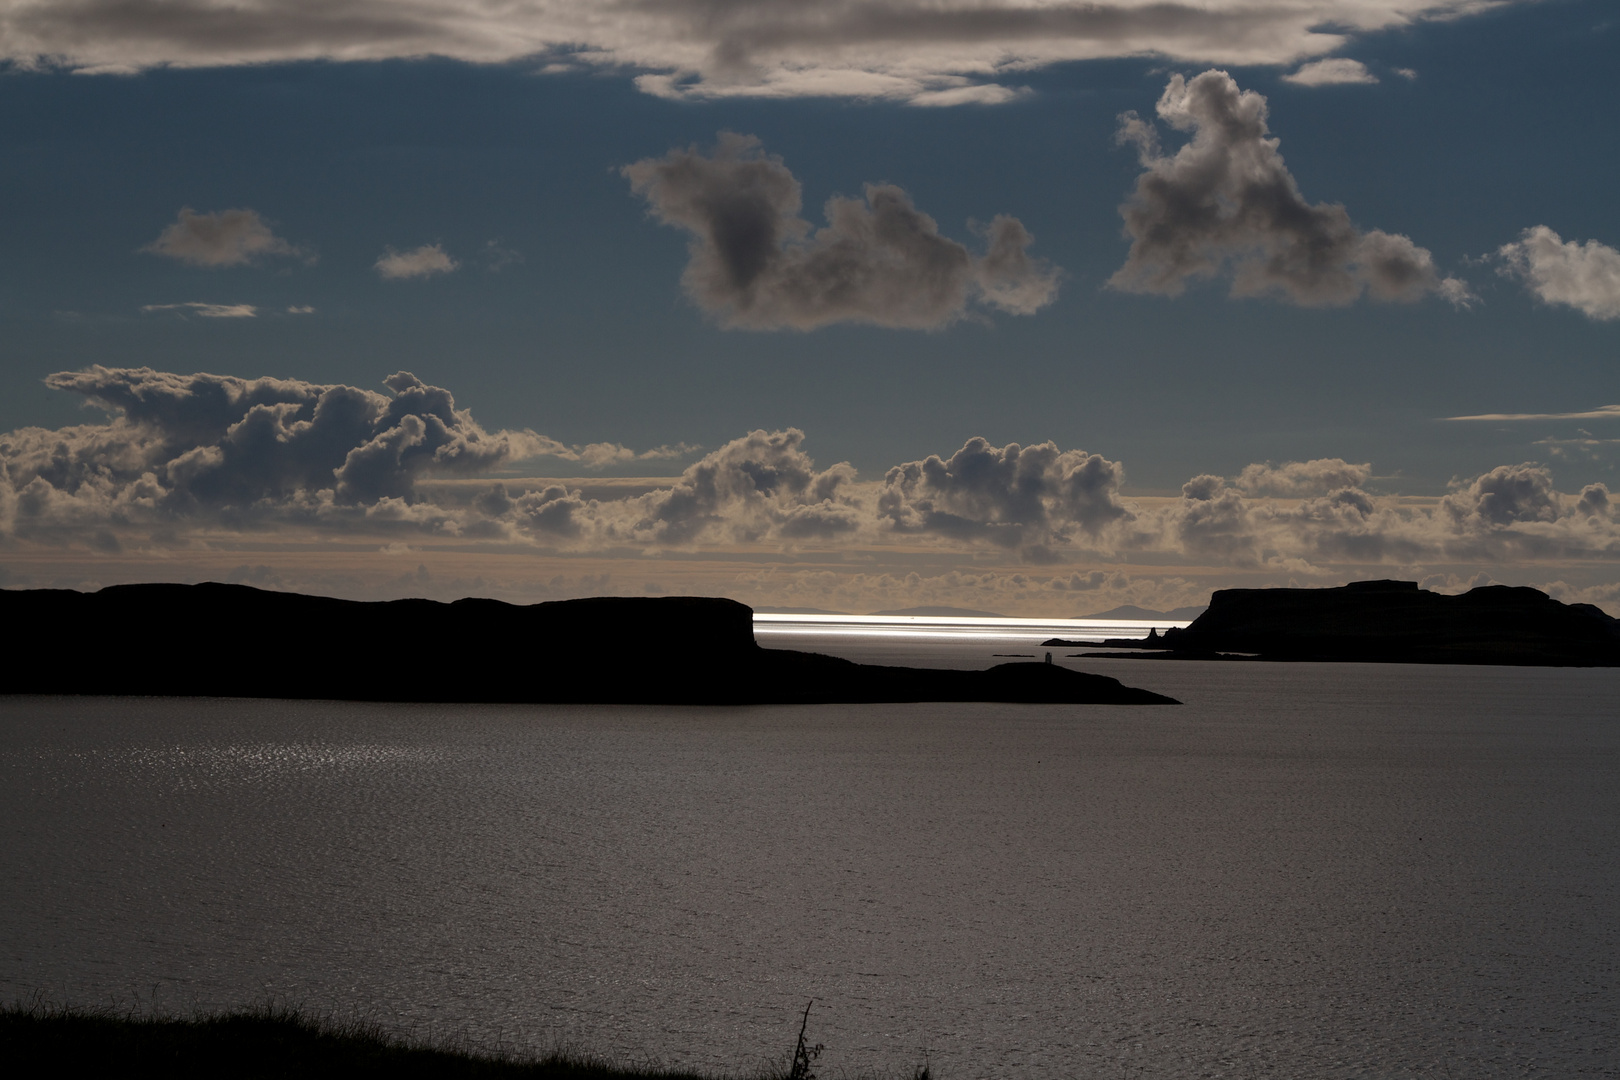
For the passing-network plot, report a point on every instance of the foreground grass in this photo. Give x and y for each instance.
(269, 1042)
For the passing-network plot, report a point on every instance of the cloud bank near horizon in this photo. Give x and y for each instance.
(181, 458)
(756, 265)
(1226, 204)
(924, 52)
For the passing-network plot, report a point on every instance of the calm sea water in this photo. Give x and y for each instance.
(1304, 871)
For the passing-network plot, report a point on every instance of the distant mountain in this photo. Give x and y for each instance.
(762, 609)
(944, 612)
(1131, 611)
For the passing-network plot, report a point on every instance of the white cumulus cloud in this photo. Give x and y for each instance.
(1585, 276)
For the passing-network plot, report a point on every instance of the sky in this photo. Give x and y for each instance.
(1025, 306)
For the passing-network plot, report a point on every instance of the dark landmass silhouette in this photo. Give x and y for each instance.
(238, 641)
(944, 612)
(274, 1042)
(1387, 622)
(1131, 611)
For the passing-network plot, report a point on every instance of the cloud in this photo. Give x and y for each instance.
(1296, 479)
(921, 51)
(207, 311)
(1585, 276)
(1602, 412)
(497, 257)
(756, 265)
(600, 455)
(1336, 71)
(1226, 204)
(223, 238)
(202, 460)
(425, 261)
(1012, 496)
(300, 309)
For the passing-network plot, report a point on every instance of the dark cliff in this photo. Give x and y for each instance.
(232, 640)
(1395, 621)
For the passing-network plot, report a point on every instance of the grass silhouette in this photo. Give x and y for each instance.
(280, 1041)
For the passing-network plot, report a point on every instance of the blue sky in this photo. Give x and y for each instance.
(558, 307)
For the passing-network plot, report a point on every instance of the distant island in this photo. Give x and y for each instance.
(237, 641)
(1386, 622)
(1131, 611)
(938, 612)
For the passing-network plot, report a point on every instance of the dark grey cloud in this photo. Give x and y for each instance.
(1506, 495)
(218, 443)
(927, 52)
(762, 484)
(1013, 496)
(1225, 203)
(755, 263)
(220, 239)
(1595, 501)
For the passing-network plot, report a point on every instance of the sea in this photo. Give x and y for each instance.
(1304, 870)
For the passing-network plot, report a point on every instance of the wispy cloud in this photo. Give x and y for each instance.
(496, 256)
(220, 239)
(207, 311)
(1602, 412)
(922, 51)
(425, 261)
(756, 264)
(1225, 203)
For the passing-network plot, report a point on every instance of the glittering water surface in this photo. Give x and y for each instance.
(1304, 871)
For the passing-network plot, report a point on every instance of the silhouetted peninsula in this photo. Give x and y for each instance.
(237, 641)
(1391, 622)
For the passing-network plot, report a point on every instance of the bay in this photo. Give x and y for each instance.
(1305, 870)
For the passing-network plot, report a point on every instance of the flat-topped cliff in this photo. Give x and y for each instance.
(1395, 621)
(237, 641)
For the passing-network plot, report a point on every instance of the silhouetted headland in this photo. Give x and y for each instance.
(1388, 622)
(237, 641)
